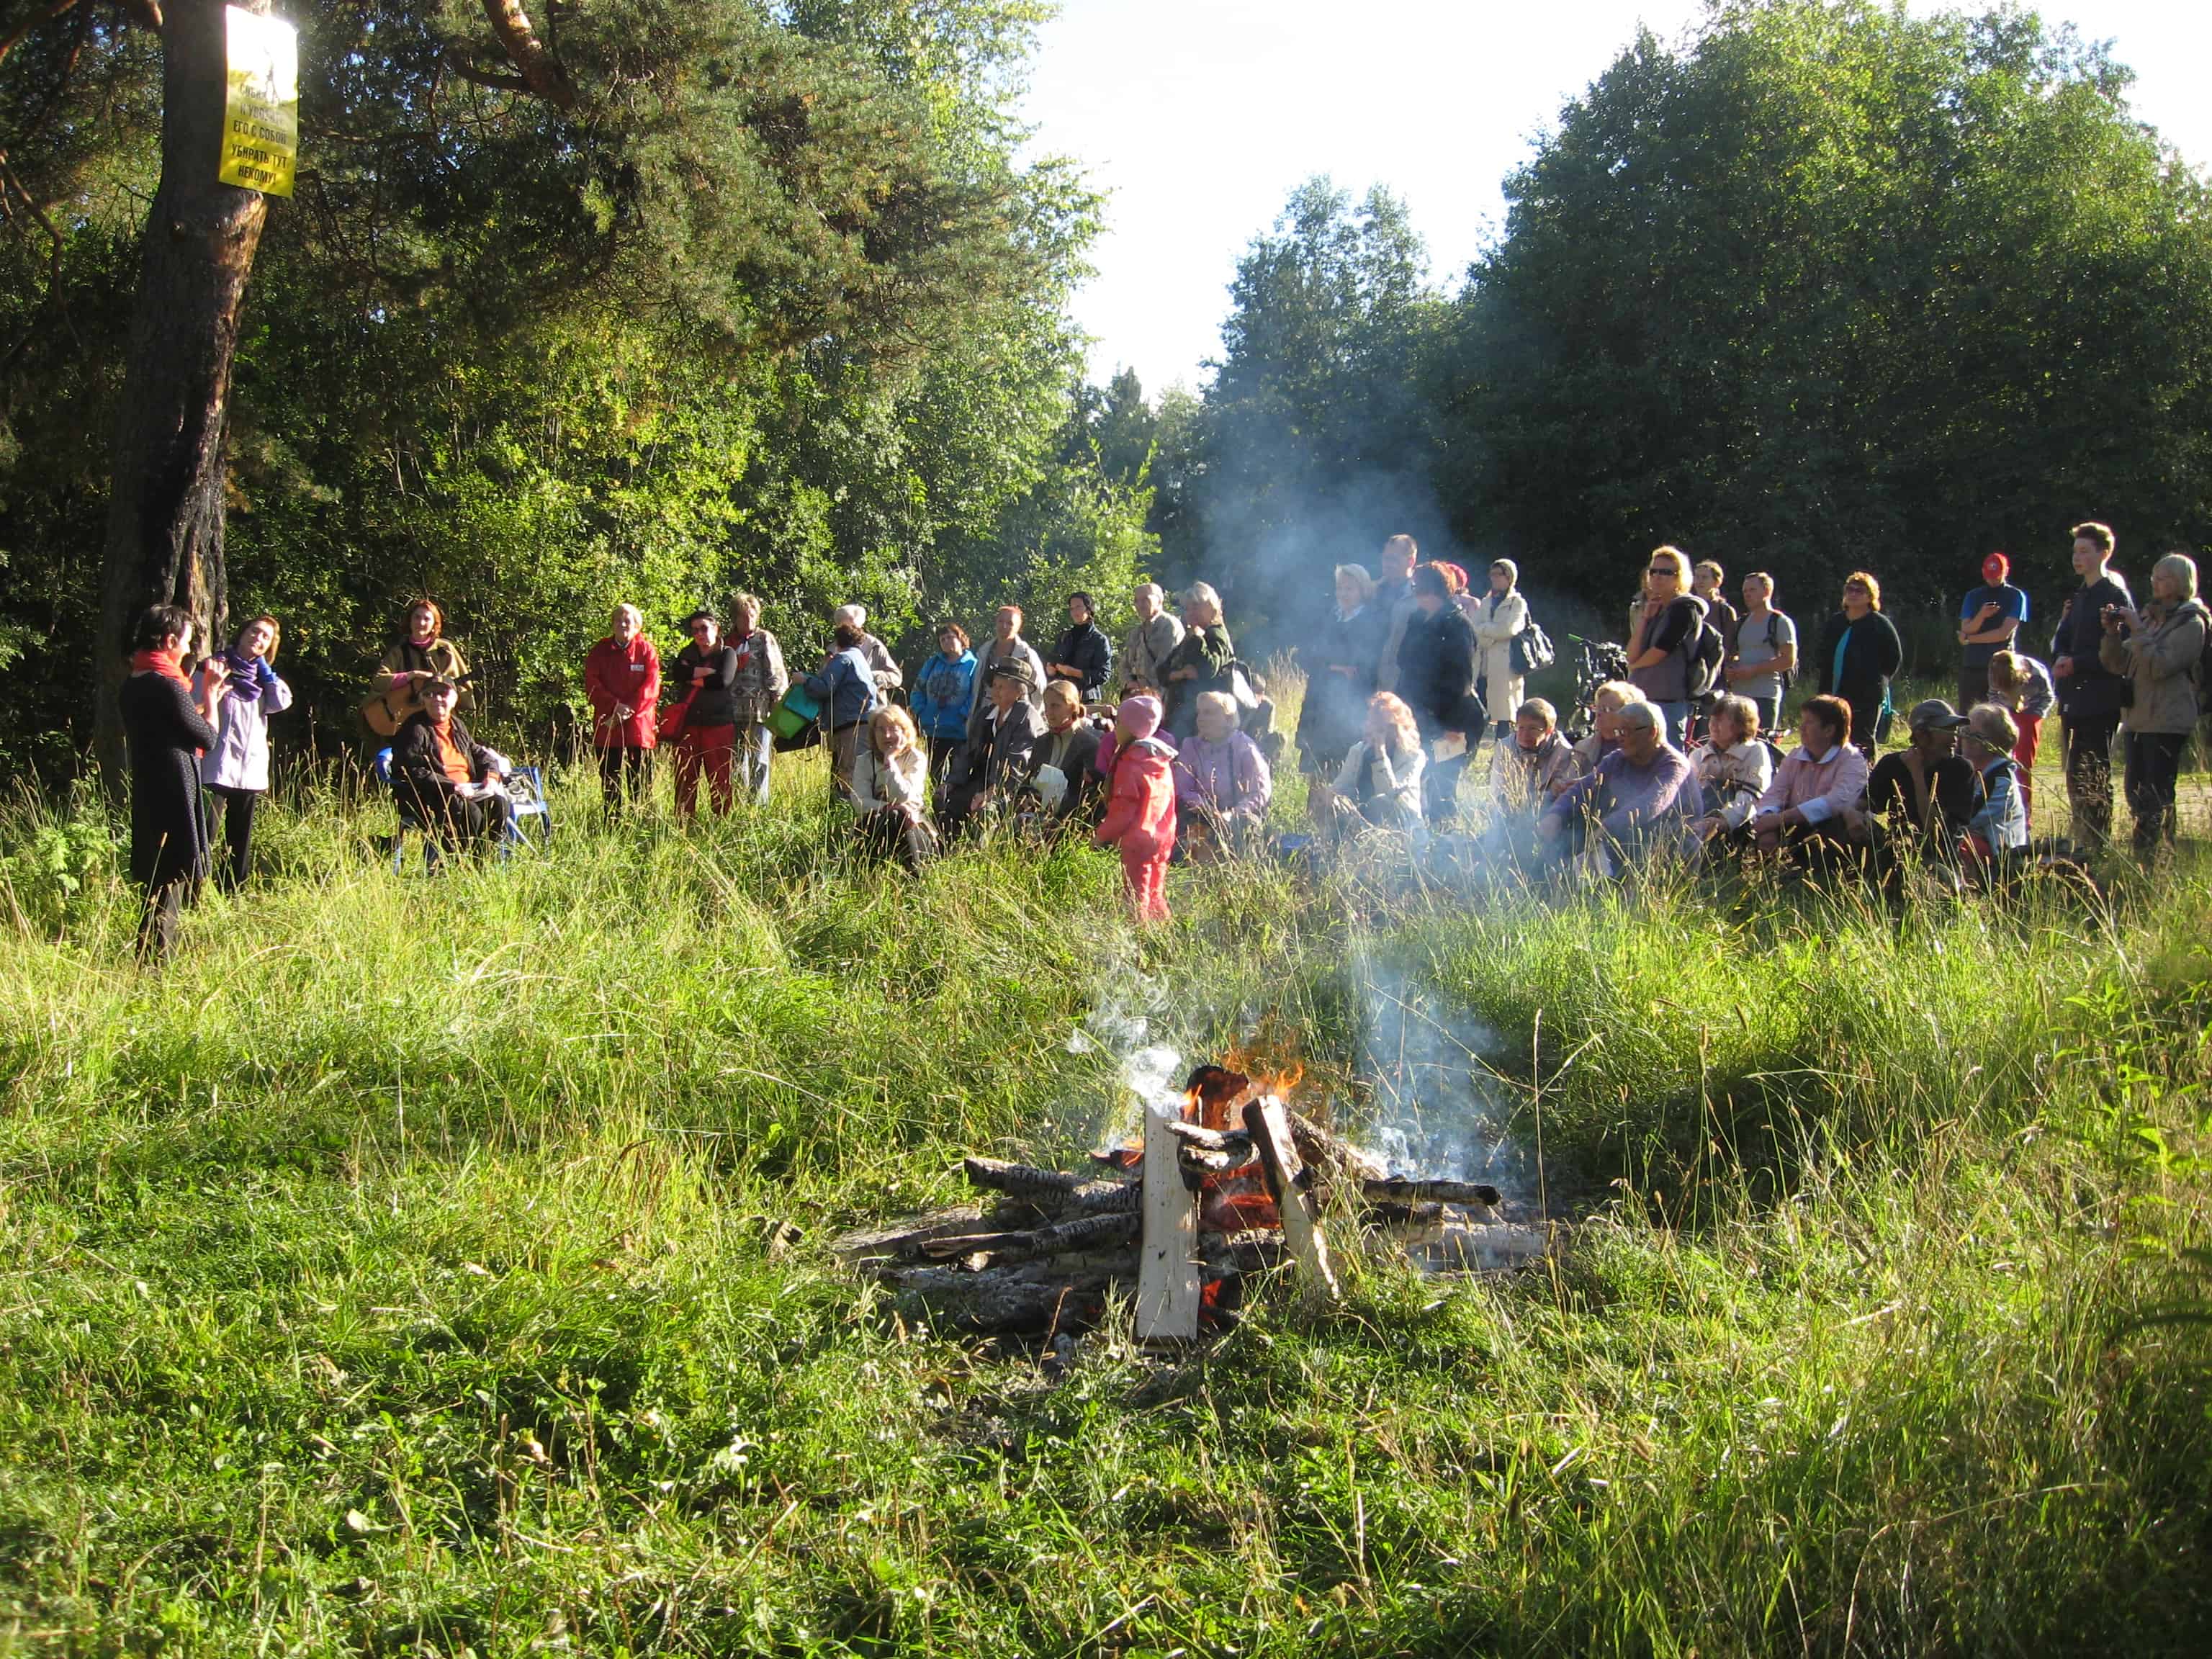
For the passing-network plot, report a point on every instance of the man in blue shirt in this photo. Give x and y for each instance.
(1991, 615)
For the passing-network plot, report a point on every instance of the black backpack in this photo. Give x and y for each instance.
(1532, 650)
(1707, 650)
(1785, 677)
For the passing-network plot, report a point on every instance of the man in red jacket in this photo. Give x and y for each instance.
(1140, 817)
(622, 677)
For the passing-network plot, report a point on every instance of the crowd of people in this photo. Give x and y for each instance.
(1145, 749)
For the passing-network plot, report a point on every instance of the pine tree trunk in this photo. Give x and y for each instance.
(164, 509)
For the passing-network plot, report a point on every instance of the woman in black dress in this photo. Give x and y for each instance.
(166, 730)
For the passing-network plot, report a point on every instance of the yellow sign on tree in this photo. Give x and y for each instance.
(261, 111)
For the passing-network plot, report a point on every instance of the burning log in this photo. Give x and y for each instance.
(1268, 1119)
(1211, 1141)
(1398, 1189)
(1177, 1222)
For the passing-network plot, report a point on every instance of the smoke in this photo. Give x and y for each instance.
(1434, 1107)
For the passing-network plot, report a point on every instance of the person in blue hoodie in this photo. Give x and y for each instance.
(846, 690)
(944, 689)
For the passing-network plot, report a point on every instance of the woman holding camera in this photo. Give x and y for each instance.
(237, 765)
(2157, 648)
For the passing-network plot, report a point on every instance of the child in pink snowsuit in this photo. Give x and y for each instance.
(1140, 812)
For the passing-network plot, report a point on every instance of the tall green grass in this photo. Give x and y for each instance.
(399, 1270)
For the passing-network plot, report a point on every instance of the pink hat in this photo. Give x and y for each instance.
(1138, 717)
(1995, 569)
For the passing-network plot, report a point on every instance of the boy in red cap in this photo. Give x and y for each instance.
(1992, 614)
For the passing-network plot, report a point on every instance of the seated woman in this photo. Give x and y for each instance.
(1813, 800)
(1733, 769)
(1380, 782)
(1222, 782)
(1534, 770)
(1639, 803)
(1063, 785)
(449, 780)
(890, 790)
(1922, 795)
(1998, 831)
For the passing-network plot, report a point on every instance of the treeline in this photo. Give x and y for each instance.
(763, 297)
(758, 296)
(1827, 286)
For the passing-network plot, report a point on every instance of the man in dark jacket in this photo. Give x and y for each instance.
(1436, 679)
(2089, 694)
(445, 777)
(995, 763)
(1082, 655)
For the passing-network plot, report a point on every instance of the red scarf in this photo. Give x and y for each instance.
(160, 662)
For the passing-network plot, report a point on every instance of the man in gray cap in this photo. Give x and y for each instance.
(1923, 796)
(996, 760)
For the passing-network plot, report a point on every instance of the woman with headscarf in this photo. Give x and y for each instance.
(1500, 618)
(237, 765)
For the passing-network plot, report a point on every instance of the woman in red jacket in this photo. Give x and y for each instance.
(622, 677)
(1141, 816)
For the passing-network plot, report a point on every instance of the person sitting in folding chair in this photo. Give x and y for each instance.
(451, 784)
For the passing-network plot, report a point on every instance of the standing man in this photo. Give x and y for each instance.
(1439, 681)
(1991, 615)
(1394, 597)
(1764, 656)
(2088, 692)
(1155, 632)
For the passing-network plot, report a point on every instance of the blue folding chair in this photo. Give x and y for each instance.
(529, 818)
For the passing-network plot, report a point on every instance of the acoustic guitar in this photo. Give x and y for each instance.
(385, 715)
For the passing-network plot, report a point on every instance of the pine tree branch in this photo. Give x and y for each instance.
(492, 78)
(518, 36)
(45, 16)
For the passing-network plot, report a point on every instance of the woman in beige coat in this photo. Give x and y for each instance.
(1500, 617)
(2158, 648)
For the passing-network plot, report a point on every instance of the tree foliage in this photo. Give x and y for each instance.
(769, 303)
(1835, 286)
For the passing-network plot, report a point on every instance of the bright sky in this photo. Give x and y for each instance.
(1198, 117)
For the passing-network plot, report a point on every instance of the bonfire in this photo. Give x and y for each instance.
(1227, 1183)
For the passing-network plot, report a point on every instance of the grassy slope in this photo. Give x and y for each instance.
(391, 1276)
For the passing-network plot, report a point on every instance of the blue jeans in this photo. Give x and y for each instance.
(1677, 717)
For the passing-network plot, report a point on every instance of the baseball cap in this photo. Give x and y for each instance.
(1934, 715)
(1995, 569)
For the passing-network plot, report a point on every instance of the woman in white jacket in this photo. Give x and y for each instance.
(236, 770)
(1502, 615)
(891, 789)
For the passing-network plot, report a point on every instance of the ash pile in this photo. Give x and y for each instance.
(1229, 1185)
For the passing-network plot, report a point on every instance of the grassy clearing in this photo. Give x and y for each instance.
(391, 1276)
